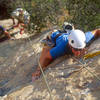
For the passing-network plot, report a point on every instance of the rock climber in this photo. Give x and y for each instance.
(73, 43)
(23, 18)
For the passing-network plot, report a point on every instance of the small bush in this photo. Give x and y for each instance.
(84, 14)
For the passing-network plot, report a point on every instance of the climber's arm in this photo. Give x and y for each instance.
(96, 33)
(45, 60)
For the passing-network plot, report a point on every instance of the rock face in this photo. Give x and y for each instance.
(67, 78)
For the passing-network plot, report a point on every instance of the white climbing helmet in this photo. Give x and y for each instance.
(68, 26)
(77, 39)
(16, 12)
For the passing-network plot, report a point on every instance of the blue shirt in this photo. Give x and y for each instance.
(89, 36)
(61, 47)
(61, 42)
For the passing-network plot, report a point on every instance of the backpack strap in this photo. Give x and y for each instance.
(60, 33)
(57, 36)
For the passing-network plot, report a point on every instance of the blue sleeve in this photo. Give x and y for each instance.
(89, 36)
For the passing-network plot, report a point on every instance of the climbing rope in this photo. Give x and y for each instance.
(41, 68)
(44, 77)
(85, 66)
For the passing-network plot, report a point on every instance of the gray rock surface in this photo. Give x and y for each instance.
(67, 78)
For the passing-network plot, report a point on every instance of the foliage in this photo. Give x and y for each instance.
(5, 8)
(84, 14)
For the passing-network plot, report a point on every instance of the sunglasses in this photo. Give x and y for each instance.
(75, 49)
